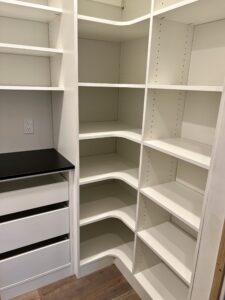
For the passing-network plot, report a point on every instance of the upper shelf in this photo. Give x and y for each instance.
(194, 11)
(194, 88)
(30, 163)
(190, 151)
(109, 166)
(95, 130)
(28, 50)
(28, 11)
(108, 30)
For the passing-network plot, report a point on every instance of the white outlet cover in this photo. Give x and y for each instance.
(28, 126)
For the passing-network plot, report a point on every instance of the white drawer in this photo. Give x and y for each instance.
(34, 263)
(30, 193)
(26, 231)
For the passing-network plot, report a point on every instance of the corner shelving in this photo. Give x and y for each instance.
(107, 200)
(95, 130)
(28, 11)
(109, 166)
(109, 30)
(179, 200)
(28, 50)
(191, 151)
(175, 247)
(106, 238)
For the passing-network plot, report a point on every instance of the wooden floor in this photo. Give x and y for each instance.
(106, 284)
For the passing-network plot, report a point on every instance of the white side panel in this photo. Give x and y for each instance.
(134, 9)
(207, 59)
(14, 107)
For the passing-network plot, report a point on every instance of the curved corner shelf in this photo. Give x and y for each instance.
(111, 85)
(108, 30)
(193, 88)
(109, 200)
(28, 11)
(95, 130)
(179, 200)
(161, 283)
(31, 88)
(188, 150)
(104, 246)
(28, 50)
(109, 166)
(173, 246)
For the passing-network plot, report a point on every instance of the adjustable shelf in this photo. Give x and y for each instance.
(187, 150)
(109, 166)
(28, 11)
(109, 30)
(31, 88)
(193, 11)
(28, 50)
(106, 238)
(95, 130)
(108, 200)
(175, 247)
(193, 88)
(161, 283)
(111, 85)
(179, 200)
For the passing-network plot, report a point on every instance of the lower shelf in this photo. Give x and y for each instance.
(95, 130)
(109, 166)
(173, 246)
(162, 284)
(106, 238)
(107, 200)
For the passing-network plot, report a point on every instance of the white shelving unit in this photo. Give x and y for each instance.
(37, 83)
(151, 76)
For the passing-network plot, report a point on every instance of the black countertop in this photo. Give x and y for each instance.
(31, 163)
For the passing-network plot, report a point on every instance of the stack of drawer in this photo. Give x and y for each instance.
(34, 228)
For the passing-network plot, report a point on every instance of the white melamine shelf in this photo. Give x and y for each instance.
(107, 201)
(193, 11)
(194, 88)
(94, 130)
(28, 50)
(179, 200)
(191, 151)
(31, 88)
(162, 284)
(109, 30)
(28, 11)
(111, 85)
(107, 245)
(173, 246)
(108, 166)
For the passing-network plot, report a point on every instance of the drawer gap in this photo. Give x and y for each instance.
(32, 247)
(33, 212)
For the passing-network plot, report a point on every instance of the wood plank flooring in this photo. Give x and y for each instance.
(106, 284)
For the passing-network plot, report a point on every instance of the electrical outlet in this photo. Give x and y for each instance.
(28, 126)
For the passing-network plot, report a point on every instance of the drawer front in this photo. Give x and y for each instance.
(33, 197)
(28, 265)
(30, 230)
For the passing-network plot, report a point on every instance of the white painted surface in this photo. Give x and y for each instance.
(32, 193)
(26, 231)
